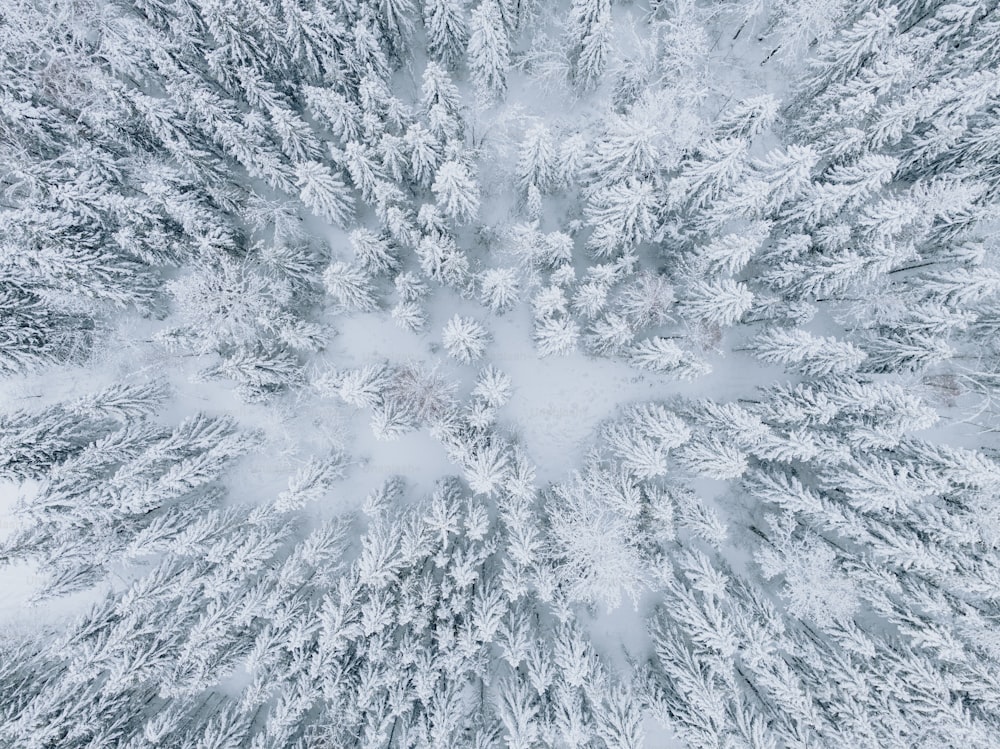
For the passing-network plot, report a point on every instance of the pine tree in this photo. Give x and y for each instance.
(336, 111)
(590, 39)
(409, 316)
(499, 289)
(365, 171)
(68, 255)
(373, 252)
(747, 118)
(409, 287)
(591, 539)
(465, 339)
(786, 173)
(488, 51)
(630, 148)
(456, 191)
(350, 286)
(591, 298)
(571, 159)
(242, 304)
(361, 388)
(33, 335)
(647, 300)
(556, 249)
(259, 371)
(556, 335)
(730, 253)
(812, 355)
(486, 466)
(493, 386)
(797, 25)
(396, 21)
(324, 192)
(536, 161)
(622, 216)
(297, 139)
(720, 166)
(132, 482)
(610, 334)
(713, 458)
(666, 357)
(447, 30)
(35, 442)
(845, 186)
(842, 58)
(311, 481)
(442, 261)
(425, 155)
(904, 351)
(721, 302)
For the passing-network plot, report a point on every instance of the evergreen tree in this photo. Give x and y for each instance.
(131, 485)
(556, 335)
(311, 481)
(622, 216)
(441, 260)
(35, 442)
(464, 339)
(488, 50)
(447, 30)
(748, 117)
(34, 335)
(424, 151)
(499, 289)
(373, 252)
(456, 191)
(536, 163)
(818, 562)
(721, 302)
(350, 287)
(590, 39)
(324, 192)
(813, 355)
(665, 356)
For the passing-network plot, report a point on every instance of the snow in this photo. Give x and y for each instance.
(674, 72)
(19, 615)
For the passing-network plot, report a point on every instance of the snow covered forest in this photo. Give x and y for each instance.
(458, 374)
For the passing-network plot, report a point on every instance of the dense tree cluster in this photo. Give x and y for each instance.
(416, 624)
(228, 190)
(866, 617)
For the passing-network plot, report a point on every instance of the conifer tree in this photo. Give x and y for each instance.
(622, 216)
(447, 30)
(465, 339)
(814, 355)
(456, 191)
(34, 335)
(499, 288)
(665, 356)
(721, 302)
(590, 37)
(556, 335)
(35, 442)
(350, 286)
(536, 163)
(324, 192)
(488, 50)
